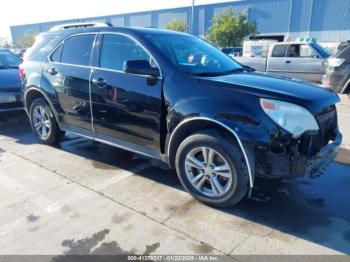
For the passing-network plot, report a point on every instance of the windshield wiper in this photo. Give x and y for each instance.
(236, 70)
(205, 73)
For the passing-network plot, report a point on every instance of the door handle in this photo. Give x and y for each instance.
(100, 82)
(52, 71)
(288, 62)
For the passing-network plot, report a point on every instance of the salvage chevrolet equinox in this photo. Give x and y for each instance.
(174, 97)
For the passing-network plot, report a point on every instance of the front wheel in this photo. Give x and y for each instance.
(44, 123)
(212, 168)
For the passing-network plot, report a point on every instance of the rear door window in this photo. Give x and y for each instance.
(279, 51)
(77, 50)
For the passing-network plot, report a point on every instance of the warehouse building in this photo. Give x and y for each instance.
(325, 20)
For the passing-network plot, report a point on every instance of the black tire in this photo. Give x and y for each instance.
(230, 151)
(55, 134)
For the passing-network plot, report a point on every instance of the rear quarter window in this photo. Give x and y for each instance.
(43, 45)
(56, 55)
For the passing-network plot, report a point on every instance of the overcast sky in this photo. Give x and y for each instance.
(17, 12)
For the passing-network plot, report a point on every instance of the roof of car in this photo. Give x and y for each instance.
(137, 30)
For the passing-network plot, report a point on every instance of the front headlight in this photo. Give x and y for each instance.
(293, 118)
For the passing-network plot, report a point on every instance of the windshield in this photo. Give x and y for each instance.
(8, 60)
(325, 53)
(193, 55)
(344, 53)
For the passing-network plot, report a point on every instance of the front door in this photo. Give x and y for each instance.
(68, 73)
(126, 107)
(303, 61)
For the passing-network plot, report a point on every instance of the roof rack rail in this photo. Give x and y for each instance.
(78, 25)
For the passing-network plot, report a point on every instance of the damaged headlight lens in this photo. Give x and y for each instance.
(293, 118)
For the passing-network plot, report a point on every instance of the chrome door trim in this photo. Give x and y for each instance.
(12, 109)
(245, 154)
(114, 144)
(93, 48)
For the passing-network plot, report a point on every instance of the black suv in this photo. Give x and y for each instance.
(174, 97)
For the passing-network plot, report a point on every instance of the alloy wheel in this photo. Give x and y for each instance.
(41, 122)
(208, 171)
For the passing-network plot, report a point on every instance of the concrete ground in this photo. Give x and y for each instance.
(87, 198)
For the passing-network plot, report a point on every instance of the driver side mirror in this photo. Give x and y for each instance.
(140, 67)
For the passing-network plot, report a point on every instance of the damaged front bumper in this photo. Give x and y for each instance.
(317, 164)
(293, 160)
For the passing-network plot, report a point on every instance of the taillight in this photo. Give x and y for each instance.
(21, 73)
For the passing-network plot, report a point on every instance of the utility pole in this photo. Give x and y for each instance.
(192, 17)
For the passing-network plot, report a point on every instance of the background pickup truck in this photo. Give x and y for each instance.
(302, 60)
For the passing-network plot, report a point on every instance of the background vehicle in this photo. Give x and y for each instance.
(10, 84)
(337, 75)
(174, 97)
(302, 60)
(342, 46)
(233, 51)
(19, 51)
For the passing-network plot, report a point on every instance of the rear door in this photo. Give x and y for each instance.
(126, 107)
(68, 72)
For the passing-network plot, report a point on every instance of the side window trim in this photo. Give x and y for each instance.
(62, 44)
(133, 39)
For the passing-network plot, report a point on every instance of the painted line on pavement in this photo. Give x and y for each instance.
(121, 176)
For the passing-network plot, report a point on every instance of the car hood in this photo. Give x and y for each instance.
(275, 86)
(9, 80)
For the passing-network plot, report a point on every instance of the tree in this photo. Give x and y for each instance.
(229, 29)
(177, 24)
(5, 42)
(26, 41)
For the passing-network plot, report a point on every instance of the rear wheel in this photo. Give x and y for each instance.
(212, 168)
(44, 123)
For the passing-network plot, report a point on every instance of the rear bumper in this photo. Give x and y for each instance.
(10, 101)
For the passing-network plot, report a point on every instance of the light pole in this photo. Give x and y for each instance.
(192, 17)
